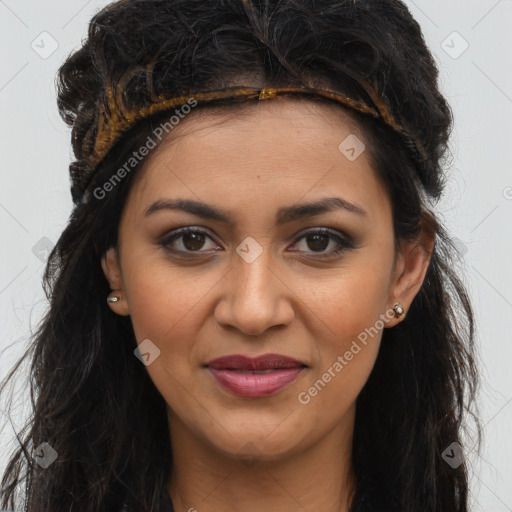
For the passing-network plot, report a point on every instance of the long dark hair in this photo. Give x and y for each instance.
(93, 401)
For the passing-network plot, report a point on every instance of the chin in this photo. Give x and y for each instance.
(264, 444)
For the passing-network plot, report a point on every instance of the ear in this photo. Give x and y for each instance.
(112, 269)
(412, 264)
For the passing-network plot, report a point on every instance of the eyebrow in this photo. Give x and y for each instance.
(284, 215)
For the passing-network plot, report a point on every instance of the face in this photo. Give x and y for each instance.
(309, 289)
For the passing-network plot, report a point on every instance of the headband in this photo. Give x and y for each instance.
(115, 118)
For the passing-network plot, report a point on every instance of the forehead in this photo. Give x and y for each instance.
(306, 117)
(271, 150)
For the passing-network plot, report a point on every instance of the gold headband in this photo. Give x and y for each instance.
(116, 119)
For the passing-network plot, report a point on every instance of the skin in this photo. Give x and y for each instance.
(288, 301)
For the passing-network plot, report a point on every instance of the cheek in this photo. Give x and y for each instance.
(348, 308)
(167, 306)
(166, 300)
(350, 299)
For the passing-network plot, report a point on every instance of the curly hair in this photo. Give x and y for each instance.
(93, 402)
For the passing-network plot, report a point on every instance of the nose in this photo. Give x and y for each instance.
(256, 296)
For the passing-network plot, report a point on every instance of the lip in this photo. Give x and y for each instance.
(255, 377)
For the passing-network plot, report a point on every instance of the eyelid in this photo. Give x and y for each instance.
(343, 241)
(175, 234)
(334, 232)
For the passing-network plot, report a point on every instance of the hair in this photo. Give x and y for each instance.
(93, 401)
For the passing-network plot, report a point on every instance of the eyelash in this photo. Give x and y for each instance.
(344, 243)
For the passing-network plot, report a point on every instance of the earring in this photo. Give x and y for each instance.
(398, 310)
(113, 298)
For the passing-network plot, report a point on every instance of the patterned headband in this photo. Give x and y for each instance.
(117, 119)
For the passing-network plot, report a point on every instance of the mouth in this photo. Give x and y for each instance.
(255, 377)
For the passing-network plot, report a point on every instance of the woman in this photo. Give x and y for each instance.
(252, 305)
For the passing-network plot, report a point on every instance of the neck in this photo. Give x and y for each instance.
(318, 477)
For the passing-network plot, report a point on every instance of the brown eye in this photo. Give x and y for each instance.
(193, 241)
(185, 241)
(318, 241)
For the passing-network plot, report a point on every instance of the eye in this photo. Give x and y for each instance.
(319, 239)
(193, 240)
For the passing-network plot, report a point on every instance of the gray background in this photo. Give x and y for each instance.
(35, 201)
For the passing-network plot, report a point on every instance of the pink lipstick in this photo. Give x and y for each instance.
(255, 377)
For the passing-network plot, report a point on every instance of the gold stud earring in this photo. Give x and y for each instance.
(398, 310)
